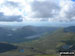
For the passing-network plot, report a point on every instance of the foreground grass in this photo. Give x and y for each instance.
(45, 55)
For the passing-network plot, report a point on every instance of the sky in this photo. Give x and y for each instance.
(37, 10)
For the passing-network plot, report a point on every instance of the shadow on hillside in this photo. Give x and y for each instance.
(4, 47)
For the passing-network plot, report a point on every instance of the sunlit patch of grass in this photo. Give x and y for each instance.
(45, 55)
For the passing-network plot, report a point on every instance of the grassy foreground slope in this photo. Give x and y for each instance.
(45, 46)
(49, 43)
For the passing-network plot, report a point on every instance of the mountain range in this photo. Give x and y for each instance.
(8, 34)
(50, 43)
(47, 45)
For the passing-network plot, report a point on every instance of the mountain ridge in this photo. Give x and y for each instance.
(19, 34)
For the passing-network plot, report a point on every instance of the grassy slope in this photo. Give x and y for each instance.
(49, 43)
(45, 46)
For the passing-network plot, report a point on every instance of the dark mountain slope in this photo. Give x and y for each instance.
(4, 47)
(70, 29)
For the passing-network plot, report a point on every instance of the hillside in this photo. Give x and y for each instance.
(70, 29)
(8, 34)
(50, 42)
(47, 45)
(4, 47)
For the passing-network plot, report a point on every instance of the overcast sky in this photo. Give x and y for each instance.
(37, 10)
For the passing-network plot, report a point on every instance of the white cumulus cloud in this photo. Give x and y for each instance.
(39, 10)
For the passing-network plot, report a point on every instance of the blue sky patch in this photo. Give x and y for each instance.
(73, 0)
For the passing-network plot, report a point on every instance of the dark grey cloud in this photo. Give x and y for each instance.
(10, 18)
(44, 9)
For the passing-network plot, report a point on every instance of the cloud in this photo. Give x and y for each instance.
(39, 10)
(10, 18)
(11, 3)
(44, 9)
(67, 12)
(59, 10)
(10, 10)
